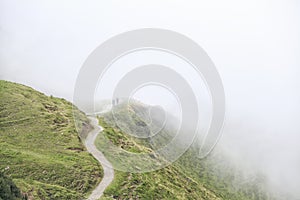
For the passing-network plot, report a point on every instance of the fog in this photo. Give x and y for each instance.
(255, 46)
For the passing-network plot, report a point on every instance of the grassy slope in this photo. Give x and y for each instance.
(187, 178)
(40, 147)
(168, 183)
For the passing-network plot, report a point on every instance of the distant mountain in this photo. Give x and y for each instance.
(40, 149)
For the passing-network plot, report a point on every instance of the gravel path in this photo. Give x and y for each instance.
(107, 167)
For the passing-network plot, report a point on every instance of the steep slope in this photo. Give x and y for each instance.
(187, 178)
(168, 183)
(40, 147)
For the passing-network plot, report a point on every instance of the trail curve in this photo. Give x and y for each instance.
(108, 172)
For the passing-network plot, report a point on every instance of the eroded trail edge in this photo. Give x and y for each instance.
(108, 172)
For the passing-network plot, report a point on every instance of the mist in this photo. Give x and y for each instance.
(255, 46)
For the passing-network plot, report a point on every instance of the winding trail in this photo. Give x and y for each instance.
(107, 167)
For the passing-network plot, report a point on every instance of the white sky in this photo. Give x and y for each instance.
(254, 44)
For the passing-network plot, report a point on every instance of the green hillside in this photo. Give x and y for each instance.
(187, 178)
(42, 155)
(40, 149)
(168, 183)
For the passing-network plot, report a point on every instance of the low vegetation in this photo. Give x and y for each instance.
(187, 178)
(8, 189)
(40, 149)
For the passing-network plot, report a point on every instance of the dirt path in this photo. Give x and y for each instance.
(107, 167)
